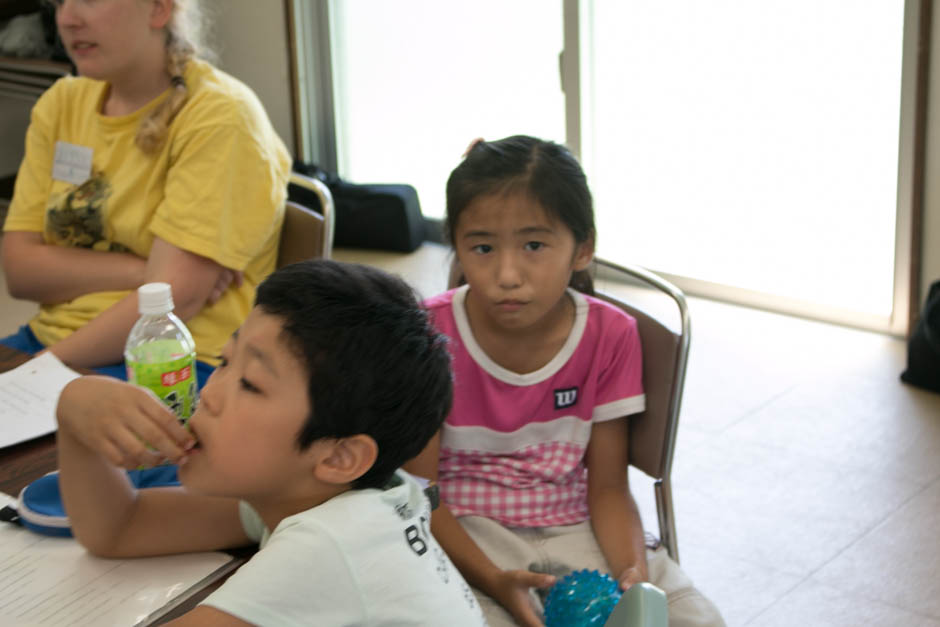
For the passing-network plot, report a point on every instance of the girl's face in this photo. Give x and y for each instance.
(108, 39)
(517, 260)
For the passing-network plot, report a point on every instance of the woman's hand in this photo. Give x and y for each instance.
(226, 279)
(192, 279)
(513, 594)
(126, 424)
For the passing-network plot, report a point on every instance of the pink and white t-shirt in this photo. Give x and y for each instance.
(513, 446)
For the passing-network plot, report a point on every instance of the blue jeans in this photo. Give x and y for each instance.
(25, 341)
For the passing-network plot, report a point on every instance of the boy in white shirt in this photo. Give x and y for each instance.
(333, 381)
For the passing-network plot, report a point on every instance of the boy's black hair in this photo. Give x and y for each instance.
(375, 364)
(545, 170)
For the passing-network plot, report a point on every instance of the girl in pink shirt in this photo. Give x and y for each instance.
(532, 460)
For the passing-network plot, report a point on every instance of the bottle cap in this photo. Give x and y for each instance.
(154, 298)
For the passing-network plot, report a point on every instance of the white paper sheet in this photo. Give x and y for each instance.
(28, 397)
(53, 581)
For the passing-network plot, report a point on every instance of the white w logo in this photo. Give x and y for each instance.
(566, 398)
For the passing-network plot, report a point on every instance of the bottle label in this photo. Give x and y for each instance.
(174, 382)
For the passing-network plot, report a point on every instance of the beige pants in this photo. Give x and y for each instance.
(559, 550)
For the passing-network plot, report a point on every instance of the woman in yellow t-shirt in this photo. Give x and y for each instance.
(151, 165)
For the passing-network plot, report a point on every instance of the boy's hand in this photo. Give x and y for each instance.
(629, 577)
(126, 424)
(513, 587)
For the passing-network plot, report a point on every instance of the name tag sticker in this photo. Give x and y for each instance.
(72, 163)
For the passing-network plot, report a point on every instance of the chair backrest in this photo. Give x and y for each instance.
(308, 221)
(301, 235)
(665, 356)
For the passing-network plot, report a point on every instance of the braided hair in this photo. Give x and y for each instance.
(183, 42)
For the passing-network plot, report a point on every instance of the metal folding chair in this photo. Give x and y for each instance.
(308, 221)
(665, 356)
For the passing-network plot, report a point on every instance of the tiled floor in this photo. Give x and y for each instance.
(807, 477)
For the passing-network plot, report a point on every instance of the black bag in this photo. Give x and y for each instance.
(382, 216)
(923, 349)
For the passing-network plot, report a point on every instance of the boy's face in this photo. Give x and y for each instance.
(250, 412)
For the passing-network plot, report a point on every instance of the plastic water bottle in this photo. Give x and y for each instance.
(160, 353)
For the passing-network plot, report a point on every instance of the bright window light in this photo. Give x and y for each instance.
(753, 144)
(417, 80)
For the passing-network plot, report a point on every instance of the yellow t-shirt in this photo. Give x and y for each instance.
(216, 188)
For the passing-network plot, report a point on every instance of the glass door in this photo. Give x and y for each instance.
(750, 150)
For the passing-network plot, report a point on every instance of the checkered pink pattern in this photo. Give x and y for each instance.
(537, 486)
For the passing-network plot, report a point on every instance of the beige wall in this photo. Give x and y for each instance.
(250, 38)
(14, 118)
(930, 268)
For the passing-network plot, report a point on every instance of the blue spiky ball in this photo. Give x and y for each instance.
(584, 597)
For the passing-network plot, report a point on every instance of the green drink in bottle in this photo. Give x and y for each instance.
(160, 353)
